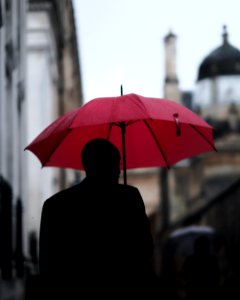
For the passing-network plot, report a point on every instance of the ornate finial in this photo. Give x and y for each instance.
(225, 35)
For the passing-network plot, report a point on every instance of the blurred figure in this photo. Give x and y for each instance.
(95, 240)
(200, 271)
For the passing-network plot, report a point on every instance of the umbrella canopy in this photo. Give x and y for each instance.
(149, 132)
(181, 241)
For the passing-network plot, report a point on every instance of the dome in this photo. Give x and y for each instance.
(224, 60)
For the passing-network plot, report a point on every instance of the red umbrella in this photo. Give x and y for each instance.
(149, 132)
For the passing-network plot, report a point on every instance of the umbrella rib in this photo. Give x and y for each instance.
(109, 130)
(199, 132)
(141, 106)
(157, 143)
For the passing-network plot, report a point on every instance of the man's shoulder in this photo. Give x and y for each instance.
(131, 197)
(129, 191)
(127, 188)
(63, 195)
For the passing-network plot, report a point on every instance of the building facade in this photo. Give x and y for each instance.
(217, 100)
(12, 128)
(39, 81)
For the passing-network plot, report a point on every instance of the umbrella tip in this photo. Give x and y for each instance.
(121, 89)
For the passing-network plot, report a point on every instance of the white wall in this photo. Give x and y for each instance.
(228, 89)
(41, 89)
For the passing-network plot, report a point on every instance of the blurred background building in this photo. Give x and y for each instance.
(216, 99)
(40, 79)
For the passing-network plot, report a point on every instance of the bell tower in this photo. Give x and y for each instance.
(171, 84)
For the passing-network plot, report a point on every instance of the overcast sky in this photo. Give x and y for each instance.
(121, 41)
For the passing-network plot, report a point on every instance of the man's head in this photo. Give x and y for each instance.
(101, 161)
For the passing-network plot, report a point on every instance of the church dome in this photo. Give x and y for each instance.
(224, 60)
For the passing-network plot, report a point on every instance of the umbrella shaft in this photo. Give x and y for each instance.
(123, 129)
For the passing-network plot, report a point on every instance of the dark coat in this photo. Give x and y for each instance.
(95, 241)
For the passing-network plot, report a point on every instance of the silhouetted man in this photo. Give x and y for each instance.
(95, 240)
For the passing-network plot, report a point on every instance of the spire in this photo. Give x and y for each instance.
(169, 35)
(225, 35)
